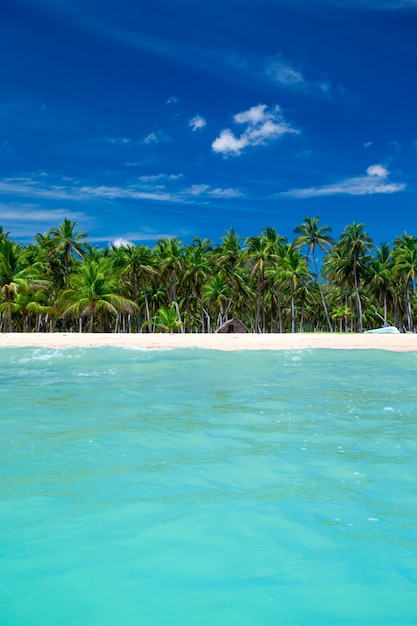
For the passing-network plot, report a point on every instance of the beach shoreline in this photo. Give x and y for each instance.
(250, 341)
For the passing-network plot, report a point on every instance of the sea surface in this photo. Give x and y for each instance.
(207, 488)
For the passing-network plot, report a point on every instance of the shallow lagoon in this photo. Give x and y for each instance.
(201, 487)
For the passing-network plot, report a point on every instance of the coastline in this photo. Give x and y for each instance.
(250, 341)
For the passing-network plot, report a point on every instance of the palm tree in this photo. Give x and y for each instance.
(355, 244)
(16, 276)
(230, 250)
(380, 277)
(67, 243)
(229, 255)
(52, 264)
(337, 271)
(136, 266)
(229, 258)
(217, 291)
(313, 236)
(293, 272)
(197, 267)
(30, 307)
(3, 235)
(95, 290)
(405, 268)
(260, 254)
(169, 255)
(257, 255)
(264, 281)
(167, 319)
(341, 314)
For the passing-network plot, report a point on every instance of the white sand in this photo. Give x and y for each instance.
(398, 343)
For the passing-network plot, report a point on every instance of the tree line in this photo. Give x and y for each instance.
(60, 282)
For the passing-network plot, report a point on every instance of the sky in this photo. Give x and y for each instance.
(185, 118)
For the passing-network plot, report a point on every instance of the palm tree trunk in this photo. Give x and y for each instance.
(292, 310)
(329, 322)
(358, 299)
(145, 295)
(279, 312)
(9, 314)
(208, 320)
(258, 305)
(408, 312)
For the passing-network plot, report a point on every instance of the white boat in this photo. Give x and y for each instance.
(385, 330)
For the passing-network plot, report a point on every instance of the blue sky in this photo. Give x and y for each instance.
(185, 118)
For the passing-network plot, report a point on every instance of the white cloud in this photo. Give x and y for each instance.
(151, 138)
(326, 88)
(254, 115)
(31, 187)
(159, 177)
(173, 100)
(262, 125)
(197, 190)
(154, 138)
(377, 170)
(218, 192)
(128, 238)
(128, 192)
(157, 188)
(227, 143)
(374, 182)
(116, 140)
(26, 213)
(72, 190)
(226, 193)
(282, 72)
(120, 242)
(197, 122)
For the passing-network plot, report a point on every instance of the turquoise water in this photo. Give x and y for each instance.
(200, 488)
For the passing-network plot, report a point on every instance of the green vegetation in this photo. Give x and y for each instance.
(60, 282)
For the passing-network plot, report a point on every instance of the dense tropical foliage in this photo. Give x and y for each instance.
(313, 283)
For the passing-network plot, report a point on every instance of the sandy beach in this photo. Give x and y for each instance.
(301, 341)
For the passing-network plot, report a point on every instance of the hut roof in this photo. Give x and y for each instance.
(233, 325)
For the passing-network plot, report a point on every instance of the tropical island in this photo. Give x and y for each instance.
(312, 284)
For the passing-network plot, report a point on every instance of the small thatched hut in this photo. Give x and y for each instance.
(232, 326)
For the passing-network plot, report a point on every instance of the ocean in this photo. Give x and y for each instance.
(206, 488)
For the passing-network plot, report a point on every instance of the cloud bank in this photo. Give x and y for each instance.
(157, 188)
(375, 181)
